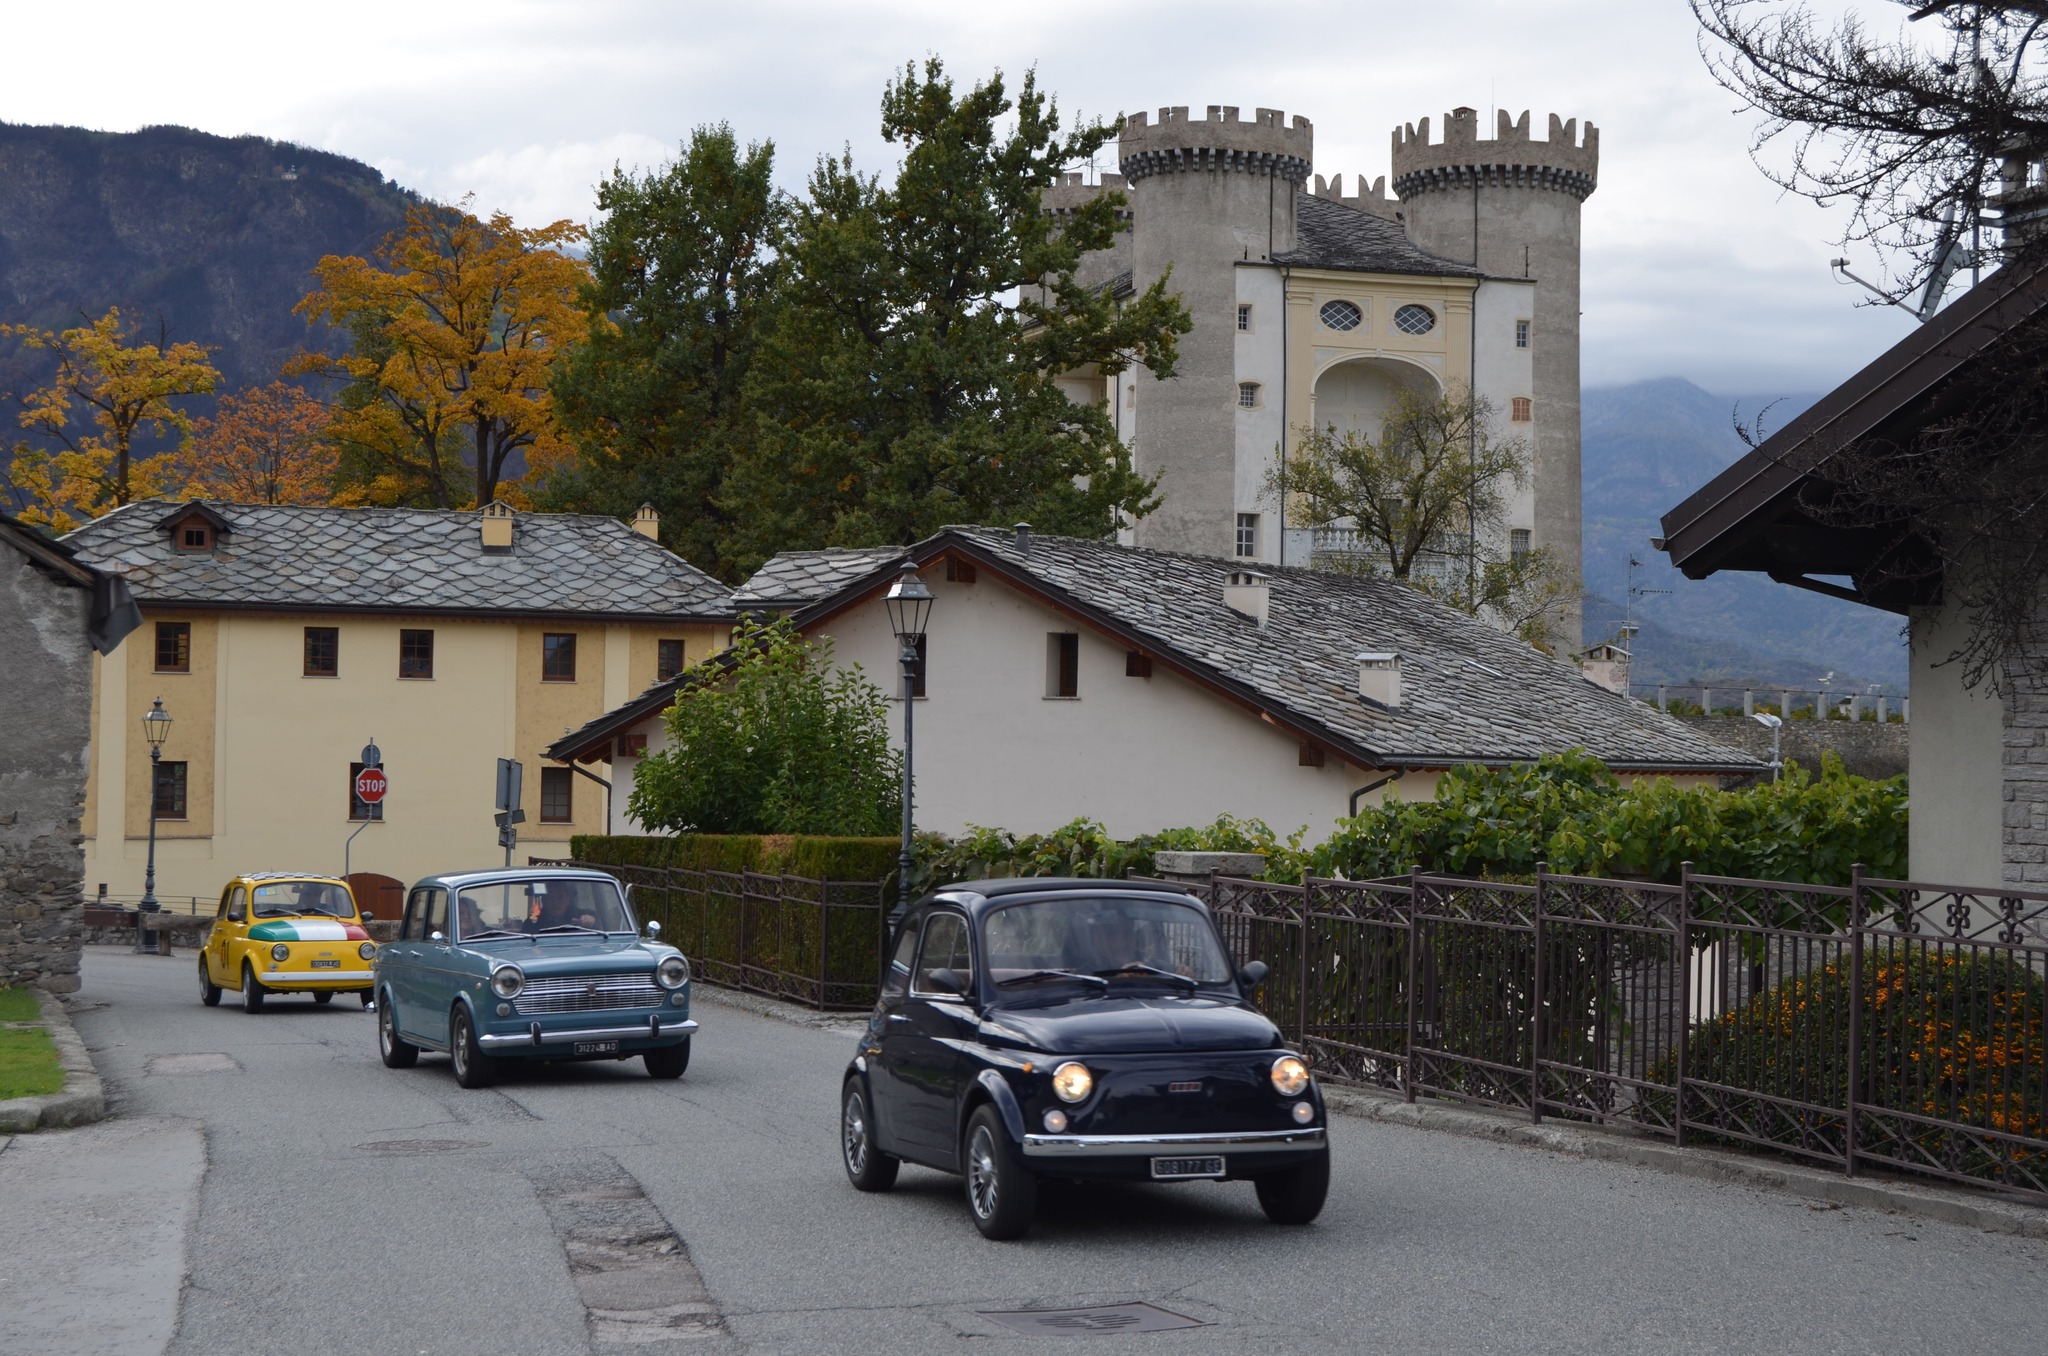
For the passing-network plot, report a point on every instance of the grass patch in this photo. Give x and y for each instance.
(18, 1005)
(28, 1064)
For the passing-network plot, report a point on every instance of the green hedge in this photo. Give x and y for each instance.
(818, 858)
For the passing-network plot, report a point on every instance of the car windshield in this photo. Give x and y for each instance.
(562, 908)
(1114, 938)
(298, 898)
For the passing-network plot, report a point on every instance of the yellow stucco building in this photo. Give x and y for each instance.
(282, 640)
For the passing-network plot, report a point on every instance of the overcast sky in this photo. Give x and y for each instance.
(1694, 265)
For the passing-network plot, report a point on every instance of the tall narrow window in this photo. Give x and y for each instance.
(1244, 319)
(359, 809)
(174, 647)
(1248, 534)
(557, 795)
(1521, 410)
(170, 790)
(1518, 543)
(1063, 664)
(1247, 395)
(668, 660)
(1521, 334)
(323, 652)
(415, 654)
(558, 658)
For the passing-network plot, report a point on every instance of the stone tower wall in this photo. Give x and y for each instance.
(1205, 194)
(1511, 205)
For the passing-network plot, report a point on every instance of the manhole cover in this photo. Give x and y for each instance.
(193, 1064)
(1098, 1319)
(423, 1146)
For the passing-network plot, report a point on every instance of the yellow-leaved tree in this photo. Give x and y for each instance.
(110, 390)
(264, 445)
(454, 329)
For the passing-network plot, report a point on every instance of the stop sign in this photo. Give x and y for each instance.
(371, 784)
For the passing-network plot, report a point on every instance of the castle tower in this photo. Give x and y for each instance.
(1511, 206)
(1205, 195)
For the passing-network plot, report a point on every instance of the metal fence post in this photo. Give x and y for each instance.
(1684, 1002)
(824, 941)
(1414, 943)
(1536, 999)
(1856, 924)
(1301, 977)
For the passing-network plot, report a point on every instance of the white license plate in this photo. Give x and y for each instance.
(326, 965)
(1187, 1167)
(597, 1047)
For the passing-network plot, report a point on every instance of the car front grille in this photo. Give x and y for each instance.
(593, 993)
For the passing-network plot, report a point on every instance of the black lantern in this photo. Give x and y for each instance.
(156, 728)
(909, 603)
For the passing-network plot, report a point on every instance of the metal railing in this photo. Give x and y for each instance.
(1883, 1024)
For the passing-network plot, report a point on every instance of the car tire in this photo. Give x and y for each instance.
(1002, 1194)
(323, 999)
(868, 1168)
(209, 992)
(1296, 1195)
(473, 1068)
(668, 1061)
(252, 992)
(398, 1053)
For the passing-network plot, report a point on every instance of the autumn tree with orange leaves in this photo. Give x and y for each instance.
(455, 327)
(89, 428)
(264, 445)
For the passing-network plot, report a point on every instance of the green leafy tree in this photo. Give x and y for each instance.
(771, 738)
(682, 265)
(908, 377)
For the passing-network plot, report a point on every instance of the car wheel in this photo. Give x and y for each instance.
(1296, 1195)
(209, 992)
(252, 992)
(669, 1061)
(473, 1068)
(397, 1052)
(1002, 1193)
(323, 999)
(868, 1168)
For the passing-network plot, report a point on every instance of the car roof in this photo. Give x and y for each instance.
(320, 876)
(980, 895)
(457, 880)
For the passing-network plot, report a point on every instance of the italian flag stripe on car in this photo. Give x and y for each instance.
(307, 930)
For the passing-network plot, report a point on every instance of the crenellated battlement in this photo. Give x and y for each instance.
(1512, 157)
(1221, 142)
(1073, 191)
(1371, 199)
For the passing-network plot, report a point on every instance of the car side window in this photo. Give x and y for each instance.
(238, 905)
(222, 911)
(437, 913)
(899, 964)
(945, 948)
(415, 909)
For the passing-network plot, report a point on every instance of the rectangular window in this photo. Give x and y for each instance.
(1248, 534)
(1518, 543)
(959, 571)
(1521, 410)
(323, 652)
(557, 795)
(1137, 665)
(1244, 319)
(359, 810)
(1521, 334)
(1247, 395)
(415, 654)
(668, 661)
(174, 647)
(170, 790)
(558, 658)
(1062, 664)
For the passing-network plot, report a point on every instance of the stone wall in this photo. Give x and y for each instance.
(46, 676)
(1866, 748)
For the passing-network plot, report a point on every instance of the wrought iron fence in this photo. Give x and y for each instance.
(1883, 1024)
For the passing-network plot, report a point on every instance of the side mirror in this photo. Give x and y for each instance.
(653, 928)
(369, 917)
(1253, 975)
(437, 936)
(948, 981)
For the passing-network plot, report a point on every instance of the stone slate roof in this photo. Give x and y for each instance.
(401, 560)
(796, 578)
(1332, 235)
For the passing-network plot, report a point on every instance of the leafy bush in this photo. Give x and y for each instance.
(1085, 848)
(816, 857)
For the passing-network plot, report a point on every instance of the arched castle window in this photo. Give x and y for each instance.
(1415, 320)
(1341, 315)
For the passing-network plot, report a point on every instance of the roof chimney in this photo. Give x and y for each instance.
(647, 523)
(1249, 593)
(1024, 538)
(1379, 677)
(495, 523)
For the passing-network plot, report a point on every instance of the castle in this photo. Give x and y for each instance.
(1312, 307)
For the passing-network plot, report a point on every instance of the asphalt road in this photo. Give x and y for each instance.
(349, 1208)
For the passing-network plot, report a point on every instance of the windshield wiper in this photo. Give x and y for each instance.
(274, 913)
(321, 913)
(491, 932)
(569, 927)
(1153, 971)
(1053, 974)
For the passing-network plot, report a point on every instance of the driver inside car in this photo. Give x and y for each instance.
(1122, 942)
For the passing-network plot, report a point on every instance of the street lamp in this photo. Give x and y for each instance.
(156, 728)
(1775, 725)
(909, 602)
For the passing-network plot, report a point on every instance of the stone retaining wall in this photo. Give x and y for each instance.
(1866, 748)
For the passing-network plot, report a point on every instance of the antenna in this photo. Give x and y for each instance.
(1634, 592)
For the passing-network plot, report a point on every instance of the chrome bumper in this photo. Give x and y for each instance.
(1130, 1146)
(533, 1038)
(298, 979)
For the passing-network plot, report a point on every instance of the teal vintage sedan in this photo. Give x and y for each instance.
(535, 964)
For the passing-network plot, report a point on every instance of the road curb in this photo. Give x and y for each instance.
(83, 1099)
(781, 1010)
(1970, 1209)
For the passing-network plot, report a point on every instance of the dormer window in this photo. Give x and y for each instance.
(194, 536)
(194, 527)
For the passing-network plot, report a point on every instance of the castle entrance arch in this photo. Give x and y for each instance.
(1356, 395)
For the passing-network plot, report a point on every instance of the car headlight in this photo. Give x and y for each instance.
(280, 951)
(507, 981)
(1072, 1082)
(1290, 1075)
(672, 973)
(368, 950)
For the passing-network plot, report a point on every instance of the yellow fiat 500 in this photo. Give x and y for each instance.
(284, 932)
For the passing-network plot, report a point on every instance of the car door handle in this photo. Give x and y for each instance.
(898, 1017)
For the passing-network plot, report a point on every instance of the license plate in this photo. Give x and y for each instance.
(1187, 1167)
(597, 1047)
(326, 965)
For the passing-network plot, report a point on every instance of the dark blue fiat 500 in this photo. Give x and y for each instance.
(1071, 1029)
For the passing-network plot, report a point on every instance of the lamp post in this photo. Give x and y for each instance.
(1775, 725)
(909, 602)
(156, 728)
